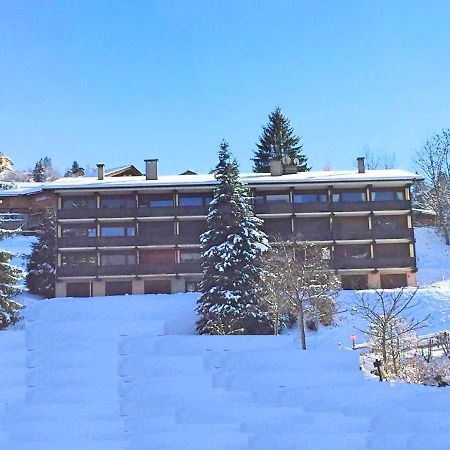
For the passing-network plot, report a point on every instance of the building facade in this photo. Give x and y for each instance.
(140, 235)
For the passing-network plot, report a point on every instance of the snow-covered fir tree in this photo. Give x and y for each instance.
(231, 258)
(42, 263)
(277, 140)
(10, 275)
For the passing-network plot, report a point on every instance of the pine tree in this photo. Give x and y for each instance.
(231, 258)
(9, 276)
(38, 172)
(42, 263)
(277, 140)
(75, 170)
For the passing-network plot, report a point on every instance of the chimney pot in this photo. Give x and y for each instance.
(361, 164)
(101, 171)
(151, 169)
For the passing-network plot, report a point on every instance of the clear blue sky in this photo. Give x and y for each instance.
(120, 81)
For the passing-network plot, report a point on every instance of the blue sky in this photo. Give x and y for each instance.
(120, 81)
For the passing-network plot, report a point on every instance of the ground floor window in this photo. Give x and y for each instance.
(392, 281)
(118, 287)
(351, 282)
(80, 289)
(157, 287)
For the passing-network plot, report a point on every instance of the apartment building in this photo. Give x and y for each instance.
(140, 234)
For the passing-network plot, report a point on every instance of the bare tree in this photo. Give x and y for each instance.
(383, 160)
(298, 280)
(433, 161)
(391, 325)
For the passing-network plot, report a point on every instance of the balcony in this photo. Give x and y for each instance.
(372, 263)
(189, 267)
(313, 235)
(156, 239)
(390, 205)
(352, 234)
(192, 210)
(395, 261)
(353, 263)
(156, 268)
(76, 213)
(312, 207)
(397, 233)
(111, 241)
(350, 206)
(77, 271)
(274, 208)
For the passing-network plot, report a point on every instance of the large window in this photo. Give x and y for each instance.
(349, 196)
(79, 231)
(261, 199)
(156, 201)
(311, 197)
(117, 202)
(78, 258)
(116, 230)
(78, 202)
(118, 259)
(388, 196)
(194, 199)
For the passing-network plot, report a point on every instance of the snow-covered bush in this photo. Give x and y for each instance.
(9, 277)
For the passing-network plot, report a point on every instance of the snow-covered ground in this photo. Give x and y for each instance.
(114, 373)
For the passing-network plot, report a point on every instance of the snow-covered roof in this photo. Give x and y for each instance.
(23, 188)
(329, 177)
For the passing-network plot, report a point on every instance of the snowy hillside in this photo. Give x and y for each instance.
(115, 373)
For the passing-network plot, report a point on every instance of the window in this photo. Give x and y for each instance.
(388, 196)
(118, 259)
(117, 202)
(310, 197)
(261, 199)
(115, 231)
(349, 196)
(190, 201)
(78, 259)
(189, 255)
(277, 198)
(79, 231)
(156, 201)
(78, 202)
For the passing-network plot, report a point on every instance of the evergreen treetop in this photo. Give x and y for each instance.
(75, 171)
(277, 140)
